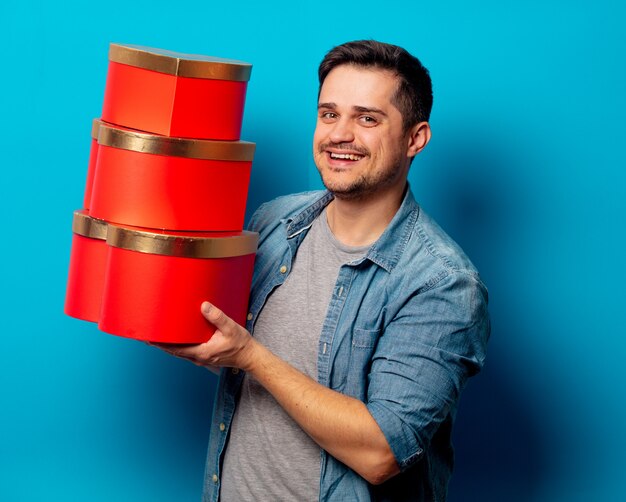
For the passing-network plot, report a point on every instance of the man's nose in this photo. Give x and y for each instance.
(342, 131)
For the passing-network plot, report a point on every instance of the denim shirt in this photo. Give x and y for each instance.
(407, 324)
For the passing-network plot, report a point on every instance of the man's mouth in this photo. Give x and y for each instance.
(344, 151)
(345, 156)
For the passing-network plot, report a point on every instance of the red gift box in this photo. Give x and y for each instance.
(87, 267)
(156, 282)
(154, 181)
(173, 94)
(91, 168)
(164, 199)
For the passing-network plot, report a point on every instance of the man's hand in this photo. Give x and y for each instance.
(340, 424)
(231, 345)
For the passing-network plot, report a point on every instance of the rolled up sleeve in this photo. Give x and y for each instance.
(435, 340)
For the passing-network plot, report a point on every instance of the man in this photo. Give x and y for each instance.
(367, 318)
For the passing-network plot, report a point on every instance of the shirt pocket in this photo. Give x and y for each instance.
(364, 342)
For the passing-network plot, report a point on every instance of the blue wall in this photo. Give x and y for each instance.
(525, 170)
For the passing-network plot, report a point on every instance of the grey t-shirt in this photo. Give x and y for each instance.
(268, 456)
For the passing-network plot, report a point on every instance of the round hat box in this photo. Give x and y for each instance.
(153, 181)
(87, 267)
(156, 282)
(91, 168)
(174, 94)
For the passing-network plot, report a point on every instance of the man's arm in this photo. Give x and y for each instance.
(341, 425)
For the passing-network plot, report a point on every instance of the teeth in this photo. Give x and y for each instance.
(345, 156)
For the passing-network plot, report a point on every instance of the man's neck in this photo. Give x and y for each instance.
(360, 222)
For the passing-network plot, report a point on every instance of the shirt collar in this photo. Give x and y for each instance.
(304, 219)
(388, 249)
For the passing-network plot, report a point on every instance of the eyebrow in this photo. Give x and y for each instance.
(369, 109)
(360, 109)
(331, 106)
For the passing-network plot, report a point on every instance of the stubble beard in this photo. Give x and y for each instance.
(363, 185)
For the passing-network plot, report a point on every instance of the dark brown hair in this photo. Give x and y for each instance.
(414, 95)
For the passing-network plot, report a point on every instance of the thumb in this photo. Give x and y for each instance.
(215, 316)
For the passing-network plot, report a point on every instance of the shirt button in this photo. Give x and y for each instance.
(222, 427)
(283, 269)
(234, 371)
(249, 316)
(215, 478)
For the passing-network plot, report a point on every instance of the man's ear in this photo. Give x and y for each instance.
(419, 136)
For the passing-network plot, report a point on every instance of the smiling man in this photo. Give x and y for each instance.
(365, 319)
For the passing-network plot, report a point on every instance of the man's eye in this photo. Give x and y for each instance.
(368, 120)
(328, 115)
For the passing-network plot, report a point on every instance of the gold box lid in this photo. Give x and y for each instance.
(143, 142)
(179, 64)
(95, 128)
(88, 226)
(182, 243)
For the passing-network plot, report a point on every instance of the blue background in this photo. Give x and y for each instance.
(525, 170)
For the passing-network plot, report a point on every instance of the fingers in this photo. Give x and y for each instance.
(195, 353)
(216, 317)
(176, 349)
(224, 349)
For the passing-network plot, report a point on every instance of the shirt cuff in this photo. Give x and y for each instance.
(402, 439)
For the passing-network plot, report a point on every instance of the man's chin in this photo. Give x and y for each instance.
(350, 192)
(352, 189)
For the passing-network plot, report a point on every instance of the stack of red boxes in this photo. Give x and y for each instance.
(162, 225)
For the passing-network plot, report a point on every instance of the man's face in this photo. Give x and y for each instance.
(359, 145)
